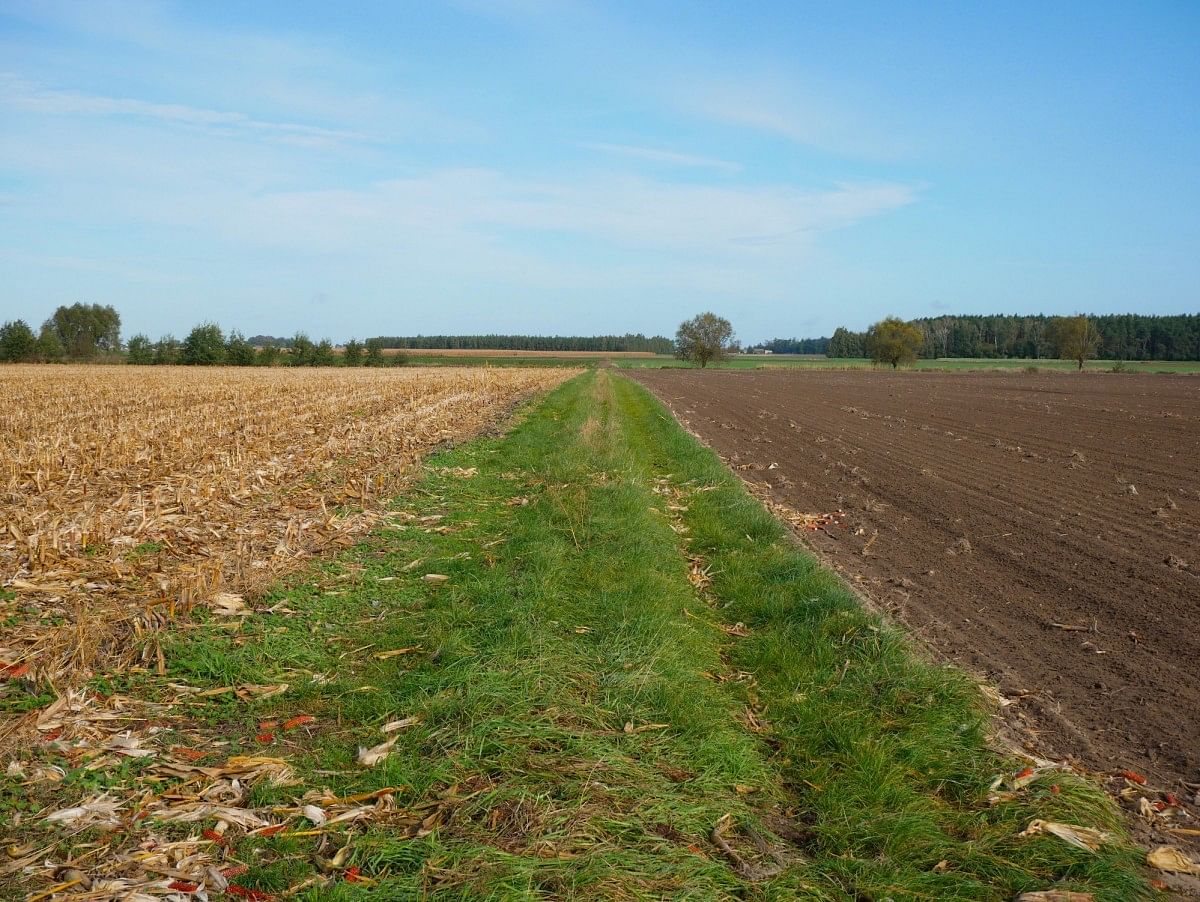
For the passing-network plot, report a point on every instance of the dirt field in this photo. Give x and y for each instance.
(1040, 529)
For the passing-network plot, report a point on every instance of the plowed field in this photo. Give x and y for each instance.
(1040, 529)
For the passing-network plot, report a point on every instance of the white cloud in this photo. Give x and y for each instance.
(19, 94)
(655, 155)
(790, 109)
(198, 184)
(469, 207)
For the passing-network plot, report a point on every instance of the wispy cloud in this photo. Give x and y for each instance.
(655, 155)
(144, 159)
(787, 108)
(459, 208)
(19, 94)
(126, 271)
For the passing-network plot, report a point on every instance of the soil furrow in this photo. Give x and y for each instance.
(1078, 505)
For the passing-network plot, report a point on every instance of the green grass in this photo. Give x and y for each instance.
(587, 716)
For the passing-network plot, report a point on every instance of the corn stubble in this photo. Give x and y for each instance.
(129, 496)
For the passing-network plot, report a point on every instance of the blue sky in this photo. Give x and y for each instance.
(562, 166)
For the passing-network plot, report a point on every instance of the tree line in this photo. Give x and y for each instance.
(793, 346)
(87, 332)
(656, 344)
(1127, 336)
(708, 338)
(208, 345)
(893, 341)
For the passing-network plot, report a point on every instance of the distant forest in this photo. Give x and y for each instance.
(656, 344)
(1127, 336)
(92, 331)
(793, 346)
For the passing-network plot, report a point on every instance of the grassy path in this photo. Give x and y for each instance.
(631, 685)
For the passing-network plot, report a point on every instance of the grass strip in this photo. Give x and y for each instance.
(886, 754)
(591, 725)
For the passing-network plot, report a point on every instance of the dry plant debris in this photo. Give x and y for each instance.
(1087, 838)
(1169, 858)
(128, 855)
(130, 496)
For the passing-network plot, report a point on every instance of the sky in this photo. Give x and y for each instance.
(576, 167)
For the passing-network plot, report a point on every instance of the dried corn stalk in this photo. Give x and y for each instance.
(130, 495)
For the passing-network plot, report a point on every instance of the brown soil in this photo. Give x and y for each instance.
(988, 511)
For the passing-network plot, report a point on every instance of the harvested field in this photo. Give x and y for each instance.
(1041, 529)
(130, 495)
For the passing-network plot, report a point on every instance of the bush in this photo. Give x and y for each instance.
(204, 346)
(268, 355)
(49, 345)
(302, 350)
(140, 350)
(18, 344)
(375, 352)
(238, 351)
(322, 354)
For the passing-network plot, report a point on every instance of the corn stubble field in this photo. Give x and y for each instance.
(131, 496)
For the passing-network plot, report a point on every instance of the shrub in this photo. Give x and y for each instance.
(140, 350)
(204, 346)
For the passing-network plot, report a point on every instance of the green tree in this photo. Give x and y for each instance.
(894, 341)
(139, 351)
(400, 358)
(268, 355)
(204, 346)
(49, 345)
(352, 354)
(375, 352)
(703, 339)
(18, 344)
(87, 329)
(301, 353)
(322, 354)
(238, 351)
(166, 351)
(1075, 337)
(845, 343)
